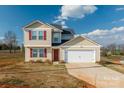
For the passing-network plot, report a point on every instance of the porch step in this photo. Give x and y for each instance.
(56, 62)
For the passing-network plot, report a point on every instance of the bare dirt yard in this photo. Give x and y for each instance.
(15, 73)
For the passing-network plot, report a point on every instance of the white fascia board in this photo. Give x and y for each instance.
(80, 46)
(37, 46)
(35, 29)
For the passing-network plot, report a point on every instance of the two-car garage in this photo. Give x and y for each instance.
(80, 56)
(80, 50)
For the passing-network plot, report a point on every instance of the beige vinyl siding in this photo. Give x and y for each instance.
(37, 25)
(80, 42)
(28, 58)
(38, 42)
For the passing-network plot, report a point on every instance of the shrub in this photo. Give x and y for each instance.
(32, 61)
(39, 61)
(121, 53)
(48, 61)
(109, 53)
(62, 61)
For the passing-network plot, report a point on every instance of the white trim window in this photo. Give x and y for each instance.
(40, 35)
(56, 37)
(34, 35)
(41, 52)
(34, 52)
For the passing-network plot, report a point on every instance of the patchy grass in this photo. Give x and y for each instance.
(116, 67)
(108, 62)
(10, 59)
(115, 57)
(16, 73)
(13, 82)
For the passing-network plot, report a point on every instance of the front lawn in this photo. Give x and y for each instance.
(15, 73)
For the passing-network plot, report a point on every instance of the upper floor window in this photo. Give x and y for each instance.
(40, 35)
(34, 35)
(37, 35)
(56, 37)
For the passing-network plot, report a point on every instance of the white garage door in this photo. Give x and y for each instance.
(80, 56)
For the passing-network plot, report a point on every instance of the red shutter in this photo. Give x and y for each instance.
(30, 35)
(44, 35)
(45, 52)
(30, 52)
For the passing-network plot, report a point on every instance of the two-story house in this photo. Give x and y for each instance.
(49, 41)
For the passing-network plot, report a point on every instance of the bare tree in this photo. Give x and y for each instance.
(10, 40)
(104, 51)
(112, 48)
(122, 49)
(14, 42)
(22, 48)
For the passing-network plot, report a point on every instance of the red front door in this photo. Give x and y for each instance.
(55, 54)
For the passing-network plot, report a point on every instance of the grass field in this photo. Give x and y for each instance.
(11, 59)
(15, 73)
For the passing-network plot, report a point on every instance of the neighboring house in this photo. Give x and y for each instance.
(49, 41)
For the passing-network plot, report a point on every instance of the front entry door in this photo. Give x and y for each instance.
(55, 54)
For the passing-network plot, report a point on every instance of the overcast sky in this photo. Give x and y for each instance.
(105, 24)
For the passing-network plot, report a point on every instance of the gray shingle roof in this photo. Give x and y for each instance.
(64, 29)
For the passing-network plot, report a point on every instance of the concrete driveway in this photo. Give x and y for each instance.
(96, 74)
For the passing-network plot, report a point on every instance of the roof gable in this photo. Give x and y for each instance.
(38, 24)
(80, 41)
(34, 24)
(68, 30)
